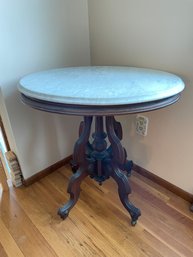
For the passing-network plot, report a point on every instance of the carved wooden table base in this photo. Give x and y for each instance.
(100, 161)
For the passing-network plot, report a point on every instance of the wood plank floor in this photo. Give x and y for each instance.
(98, 225)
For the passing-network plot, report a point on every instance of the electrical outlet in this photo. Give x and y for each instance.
(141, 125)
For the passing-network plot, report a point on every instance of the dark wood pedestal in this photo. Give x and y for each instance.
(100, 161)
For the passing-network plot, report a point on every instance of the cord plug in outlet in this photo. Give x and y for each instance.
(141, 125)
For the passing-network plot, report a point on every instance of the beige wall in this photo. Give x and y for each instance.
(37, 35)
(156, 34)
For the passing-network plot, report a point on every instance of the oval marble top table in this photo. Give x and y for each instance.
(102, 86)
(99, 93)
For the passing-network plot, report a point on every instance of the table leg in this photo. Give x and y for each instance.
(117, 167)
(128, 164)
(80, 162)
(74, 191)
(124, 190)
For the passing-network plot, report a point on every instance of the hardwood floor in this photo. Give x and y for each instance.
(98, 225)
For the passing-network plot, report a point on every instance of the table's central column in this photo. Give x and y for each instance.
(97, 153)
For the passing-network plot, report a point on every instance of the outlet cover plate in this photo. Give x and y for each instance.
(141, 125)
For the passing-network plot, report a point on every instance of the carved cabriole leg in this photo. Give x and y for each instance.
(123, 190)
(118, 161)
(74, 191)
(73, 163)
(79, 157)
(118, 131)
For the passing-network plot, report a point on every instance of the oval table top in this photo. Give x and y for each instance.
(100, 87)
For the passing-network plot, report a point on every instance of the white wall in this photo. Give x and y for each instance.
(38, 35)
(156, 34)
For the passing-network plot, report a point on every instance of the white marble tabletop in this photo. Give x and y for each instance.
(101, 85)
